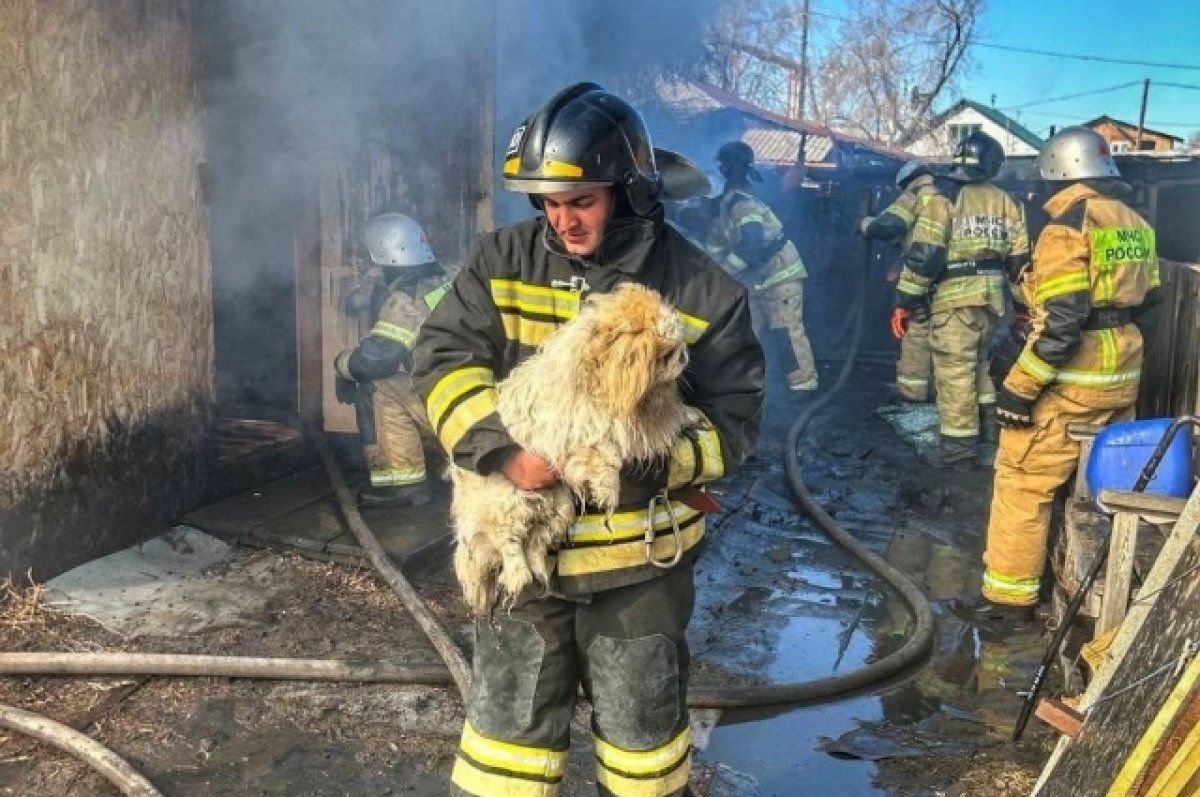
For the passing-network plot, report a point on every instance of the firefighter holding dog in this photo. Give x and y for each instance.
(1094, 291)
(622, 587)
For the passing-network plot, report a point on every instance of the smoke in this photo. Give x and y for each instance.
(292, 84)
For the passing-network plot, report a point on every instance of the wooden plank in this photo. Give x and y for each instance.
(309, 344)
(241, 513)
(1145, 503)
(1118, 575)
(1139, 759)
(1142, 632)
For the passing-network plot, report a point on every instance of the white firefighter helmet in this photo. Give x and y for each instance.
(393, 239)
(1076, 153)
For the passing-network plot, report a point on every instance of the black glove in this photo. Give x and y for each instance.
(1012, 411)
(918, 309)
(346, 390)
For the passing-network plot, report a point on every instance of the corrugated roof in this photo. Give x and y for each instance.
(775, 145)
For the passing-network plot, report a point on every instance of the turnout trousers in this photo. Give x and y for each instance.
(1031, 465)
(626, 647)
(959, 340)
(391, 419)
(781, 307)
(914, 369)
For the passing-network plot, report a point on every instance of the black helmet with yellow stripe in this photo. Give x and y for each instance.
(977, 157)
(584, 137)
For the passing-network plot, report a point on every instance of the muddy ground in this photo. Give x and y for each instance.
(776, 602)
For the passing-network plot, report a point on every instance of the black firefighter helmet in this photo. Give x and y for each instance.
(738, 158)
(584, 137)
(977, 157)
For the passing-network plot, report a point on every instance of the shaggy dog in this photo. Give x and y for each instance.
(600, 393)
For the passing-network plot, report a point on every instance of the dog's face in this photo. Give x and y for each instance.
(635, 343)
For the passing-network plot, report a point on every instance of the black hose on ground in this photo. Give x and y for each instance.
(917, 646)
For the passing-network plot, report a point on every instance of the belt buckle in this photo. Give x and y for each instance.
(650, 536)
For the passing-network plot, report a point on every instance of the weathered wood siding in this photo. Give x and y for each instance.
(105, 310)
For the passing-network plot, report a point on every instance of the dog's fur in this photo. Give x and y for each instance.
(601, 392)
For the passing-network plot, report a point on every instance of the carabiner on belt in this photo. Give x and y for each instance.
(662, 564)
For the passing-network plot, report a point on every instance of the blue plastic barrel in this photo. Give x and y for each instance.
(1121, 450)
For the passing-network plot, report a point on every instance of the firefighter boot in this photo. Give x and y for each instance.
(989, 428)
(394, 496)
(952, 453)
(997, 620)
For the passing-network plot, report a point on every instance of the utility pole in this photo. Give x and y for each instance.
(803, 56)
(1142, 115)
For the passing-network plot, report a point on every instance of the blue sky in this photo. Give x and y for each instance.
(1152, 30)
(1156, 30)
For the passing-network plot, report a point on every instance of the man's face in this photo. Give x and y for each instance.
(579, 217)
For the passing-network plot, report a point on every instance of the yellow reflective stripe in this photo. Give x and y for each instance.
(1041, 371)
(1009, 590)
(405, 337)
(960, 432)
(527, 331)
(712, 458)
(624, 555)
(540, 762)
(1063, 284)
(1097, 378)
(397, 477)
(961, 288)
(693, 327)
(552, 168)
(526, 297)
(1155, 274)
(793, 270)
(477, 781)
(452, 386)
(904, 214)
(512, 165)
(912, 284)
(670, 783)
(629, 525)
(935, 229)
(463, 416)
(683, 463)
(435, 296)
(1108, 351)
(645, 762)
(911, 382)
(752, 217)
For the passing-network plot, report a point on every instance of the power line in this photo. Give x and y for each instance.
(1104, 90)
(1079, 57)
(1191, 86)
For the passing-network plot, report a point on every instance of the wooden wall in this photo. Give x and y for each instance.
(105, 309)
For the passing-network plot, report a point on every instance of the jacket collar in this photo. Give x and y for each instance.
(1057, 204)
(626, 244)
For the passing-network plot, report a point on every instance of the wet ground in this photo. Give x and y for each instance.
(777, 601)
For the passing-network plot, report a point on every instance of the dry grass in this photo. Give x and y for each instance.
(24, 607)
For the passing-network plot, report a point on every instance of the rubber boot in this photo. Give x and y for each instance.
(390, 497)
(998, 620)
(989, 427)
(952, 453)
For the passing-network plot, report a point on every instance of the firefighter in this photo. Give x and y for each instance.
(1093, 291)
(963, 244)
(895, 224)
(374, 376)
(747, 239)
(613, 620)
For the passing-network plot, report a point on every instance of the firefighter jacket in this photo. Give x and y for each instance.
(897, 220)
(517, 287)
(1094, 282)
(748, 240)
(965, 239)
(397, 316)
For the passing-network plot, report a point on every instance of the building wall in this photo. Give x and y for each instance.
(939, 142)
(1121, 138)
(105, 309)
